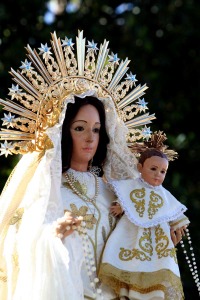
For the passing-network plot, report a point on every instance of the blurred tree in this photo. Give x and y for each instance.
(160, 38)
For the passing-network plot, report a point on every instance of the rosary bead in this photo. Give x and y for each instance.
(92, 284)
(192, 265)
(60, 235)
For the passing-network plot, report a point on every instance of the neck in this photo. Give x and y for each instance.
(79, 167)
(148, 184)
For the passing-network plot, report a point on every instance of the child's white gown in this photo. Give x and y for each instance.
(140, 260)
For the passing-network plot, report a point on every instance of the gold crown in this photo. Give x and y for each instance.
(156, 142)
(49, 77)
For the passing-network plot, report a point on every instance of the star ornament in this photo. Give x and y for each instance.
(146, 132)
(131, 77)
(45, 50)
(67, 43)
(142, 105)
(113, 58)
(14, 90)
(26, 65)
(8, 120)
(6, 149)
(92, 46)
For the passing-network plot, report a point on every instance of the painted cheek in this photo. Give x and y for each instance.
(97, 141)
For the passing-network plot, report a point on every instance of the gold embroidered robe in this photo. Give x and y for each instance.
(140, 260)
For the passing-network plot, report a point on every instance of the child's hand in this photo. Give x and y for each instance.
(116, 209)
(176, 235)
(182, 229)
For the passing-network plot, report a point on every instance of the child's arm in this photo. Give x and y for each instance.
(178, 228)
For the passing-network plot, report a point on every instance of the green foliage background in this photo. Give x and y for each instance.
(161, 38)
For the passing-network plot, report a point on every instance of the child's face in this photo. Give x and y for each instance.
(153, 170)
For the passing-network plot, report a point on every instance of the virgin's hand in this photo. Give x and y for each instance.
(66, 225)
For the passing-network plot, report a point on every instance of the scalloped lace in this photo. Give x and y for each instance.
(169, 216)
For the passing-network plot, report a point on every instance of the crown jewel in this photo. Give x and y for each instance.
(50, 75)
(156, 142)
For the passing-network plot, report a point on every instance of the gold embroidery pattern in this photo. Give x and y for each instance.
(112, 221)
(17, 217)
(156, 202)
(127, 254)
(137, 197)
(88, 218)
(104, 235)
(145, 282)
(173, 254)
(146, 249)
(162, 243)
(145, 242)
(3, 277)
(81, 188)
(172, 223)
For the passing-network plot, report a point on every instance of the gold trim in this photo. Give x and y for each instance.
(49, 78)
(142, 282)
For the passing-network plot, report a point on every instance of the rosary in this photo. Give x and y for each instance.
(191, 261)
(79, 190)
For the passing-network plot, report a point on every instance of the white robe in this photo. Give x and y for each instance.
(140, 260)
(47, 268)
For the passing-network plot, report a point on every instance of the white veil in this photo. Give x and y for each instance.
(34, 187)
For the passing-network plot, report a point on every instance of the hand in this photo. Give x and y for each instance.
(66, 225)
(176, 235)
(116, 209)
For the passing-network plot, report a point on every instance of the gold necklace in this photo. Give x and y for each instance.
(79, 193)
